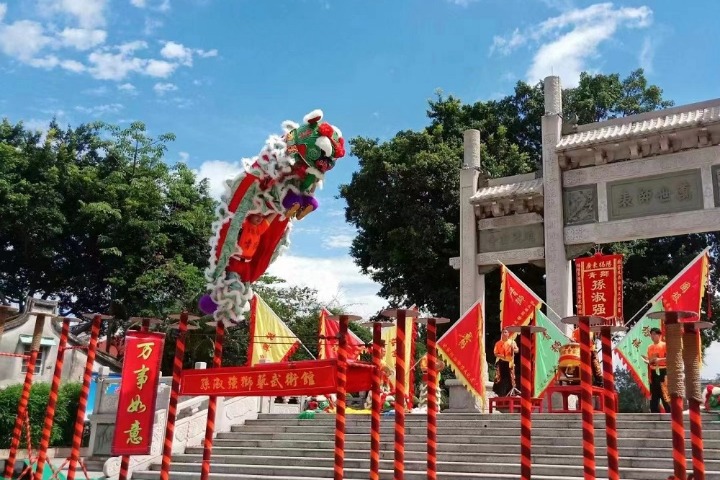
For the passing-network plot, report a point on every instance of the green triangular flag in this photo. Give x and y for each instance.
(547, 352)
(634, 346)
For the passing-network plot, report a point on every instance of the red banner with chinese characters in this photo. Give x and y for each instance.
(517, 302)
(600, 285)
(685, 292)
(308, 377)
(463, 346)
(138, 393)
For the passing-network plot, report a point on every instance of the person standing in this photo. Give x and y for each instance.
(505, 350)
(657, 360)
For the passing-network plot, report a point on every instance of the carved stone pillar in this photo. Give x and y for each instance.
(558, 276)
(472, 284)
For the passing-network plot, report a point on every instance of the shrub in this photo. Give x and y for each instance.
(65, 412)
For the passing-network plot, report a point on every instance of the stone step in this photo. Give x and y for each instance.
(622, 417)
(455, 470)
(360, 459)
(420, 444)
(418, 451)
(384, 475)
(599, 422)
(567, 438)
(710, 434)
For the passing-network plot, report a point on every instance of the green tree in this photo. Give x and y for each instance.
(94, 217)
(630, 397)
(407, 234)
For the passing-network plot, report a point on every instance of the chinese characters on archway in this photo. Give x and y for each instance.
(138, 392)
(599, 286)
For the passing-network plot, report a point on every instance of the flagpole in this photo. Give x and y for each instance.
(687, 267)
(529, 290)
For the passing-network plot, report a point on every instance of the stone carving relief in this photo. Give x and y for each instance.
(510, 238)
(580, 205)
(655, 195)
(716, 184)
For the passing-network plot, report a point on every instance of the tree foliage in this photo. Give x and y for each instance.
(94, 217)
(404, 199)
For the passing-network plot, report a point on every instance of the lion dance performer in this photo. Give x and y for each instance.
(253, 219)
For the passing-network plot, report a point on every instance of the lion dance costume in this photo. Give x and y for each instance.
(253, 219)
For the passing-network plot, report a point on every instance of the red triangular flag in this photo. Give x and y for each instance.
(517, 302)
(685, 292)
(328, 346)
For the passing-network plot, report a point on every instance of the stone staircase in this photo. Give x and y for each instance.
(472, 446)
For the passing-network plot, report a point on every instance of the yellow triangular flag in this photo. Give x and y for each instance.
(270, 339)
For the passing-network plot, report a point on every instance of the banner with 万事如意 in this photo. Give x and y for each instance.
(138, 393)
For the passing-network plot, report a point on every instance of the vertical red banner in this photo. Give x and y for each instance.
(600, 286)
(138, 393)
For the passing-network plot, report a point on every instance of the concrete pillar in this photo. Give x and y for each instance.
(558, 273)
(472, 284)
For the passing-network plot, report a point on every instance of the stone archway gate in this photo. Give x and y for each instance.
(643, 176)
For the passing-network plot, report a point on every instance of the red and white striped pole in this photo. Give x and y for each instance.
(339, 461)
(526, 343)
(52, 401)
(84, 392)
(182, 327)
(692, 358)
(432, 404)
(400, 387)
(212, 403)
(606, 330)
(25, 396)
(376, 405)
(584, 323)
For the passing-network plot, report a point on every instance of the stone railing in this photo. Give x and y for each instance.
(189, 426)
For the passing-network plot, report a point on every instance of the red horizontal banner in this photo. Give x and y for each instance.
(138, 393)
(309, 377)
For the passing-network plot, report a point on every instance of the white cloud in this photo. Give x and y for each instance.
(462, 3)
(160, 68)
(217, 172)
(184, 156)
(100, 110)
(105, 65)
(138, 3)
(23, 39)
(337, 280)
(178, 52)
(338, 241)
(569, 40)
(163, 88)
(82, 38)
(3, 11)
(127, 88)
(207, 53)
(73, 66)
(87, 13)
(647, 54)
(151, 25)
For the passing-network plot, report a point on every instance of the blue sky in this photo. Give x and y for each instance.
(222, 75)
